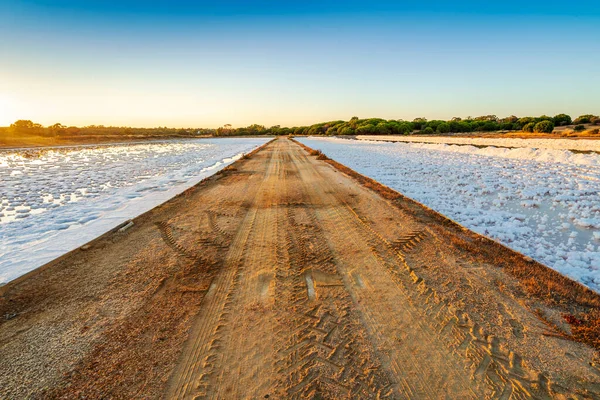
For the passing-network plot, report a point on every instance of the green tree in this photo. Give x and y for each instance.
(544, 127)
(405, 128)
(419, 123)
(490, 126)
(562, 119)
(584, 119)
(512, 119)
(382, 128)
(365, 129)
(443, 128)
(525, 120)
(529, 127)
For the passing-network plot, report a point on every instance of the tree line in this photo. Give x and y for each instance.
(30, 128)
(355, 126)
(486, 123)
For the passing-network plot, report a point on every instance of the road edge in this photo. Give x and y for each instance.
(117, 230)
(538, 280)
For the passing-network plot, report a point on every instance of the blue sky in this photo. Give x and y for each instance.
(156, 63)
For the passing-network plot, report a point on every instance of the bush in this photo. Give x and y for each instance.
(562, 119)
(595, 131)
(585, 119)
(365, 129)
(443, 128)
(490, 126)
(525, 120)
(427, 131)
(529, 127)
(544, 127)
(579, 128)
(405, 128)
(347, 131)
(382, 128)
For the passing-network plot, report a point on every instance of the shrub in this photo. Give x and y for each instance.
(427, 131)
(529, 127)
(322, 156)
(490, 126)
(562, 119)
(443, 128)
(544, 127)
(579, 128)
(365, 129)
(405, 128)
(382, 128)
(595, 131)
(525, 120)
(585, 119)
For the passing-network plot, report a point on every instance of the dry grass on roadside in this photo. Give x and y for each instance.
(318, 153)
(587, 328)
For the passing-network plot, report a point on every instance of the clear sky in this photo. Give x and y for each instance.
(205, 64)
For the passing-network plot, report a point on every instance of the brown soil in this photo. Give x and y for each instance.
(289, 277)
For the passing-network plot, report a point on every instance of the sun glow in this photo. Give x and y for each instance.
(6, 111)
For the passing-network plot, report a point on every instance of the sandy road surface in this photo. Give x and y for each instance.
(283, 278)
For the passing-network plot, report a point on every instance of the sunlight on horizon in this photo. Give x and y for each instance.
(7, 114)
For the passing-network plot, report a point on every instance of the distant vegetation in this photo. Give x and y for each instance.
(486, 123)
(379, 126)
(58, 133)
(26, 127)
(28, 133)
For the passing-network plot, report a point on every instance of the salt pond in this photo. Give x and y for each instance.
(54, 200)
(544, 203)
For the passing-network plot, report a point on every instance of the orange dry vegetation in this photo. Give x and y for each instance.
(587, 329)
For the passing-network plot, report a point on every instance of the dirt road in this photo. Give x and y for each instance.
(280, 278)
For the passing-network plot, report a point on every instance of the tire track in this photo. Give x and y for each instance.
(493, 371)
(313, 302)
(194, 376)
(326, 353)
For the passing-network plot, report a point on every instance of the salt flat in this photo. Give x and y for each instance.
(305, 283)
(54, 200)
(557, 144)
(544, 203)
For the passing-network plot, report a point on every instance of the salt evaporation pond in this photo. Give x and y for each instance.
(54, 200)
(544, 203)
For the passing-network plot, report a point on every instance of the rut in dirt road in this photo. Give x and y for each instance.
(285, 276)
(313, 302)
